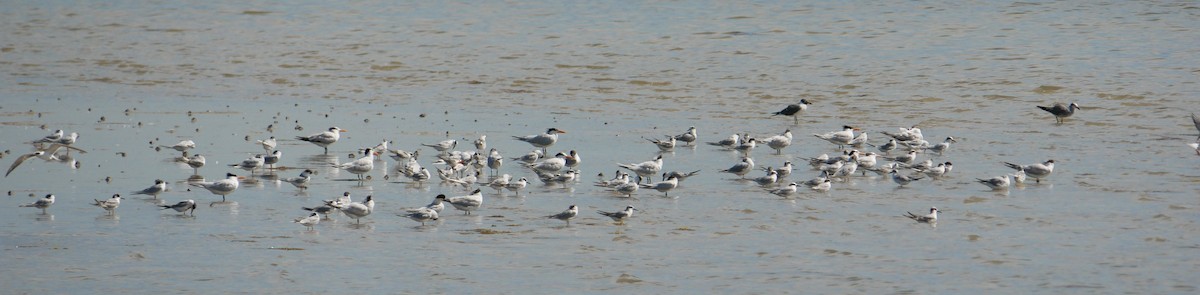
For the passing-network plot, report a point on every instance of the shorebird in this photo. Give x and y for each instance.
(1061, 111)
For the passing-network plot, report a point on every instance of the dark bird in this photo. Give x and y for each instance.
(793, 109)
(1061, 111)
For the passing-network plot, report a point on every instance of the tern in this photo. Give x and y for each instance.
(184, 205)
(792, 110)
(159, 187)
(309, 221)
(742, 168)
(531, 157)
(481, 143)
(42, 203)
(573, 159)
(221, 187)
(566, 215)
(928, 218)
(1061, 111)
(495, 161)
(272, 159)
(627, 188)
(663, 186)
(109, 204)
(361, 165)
(558, 162)
(786, 191)
(1036, 170)
(438, 203)
(268, 144)
(824, 186)
(421, 215)
(996, 183)
(48, 152)
(444, 145)
(357, 210)
(680, 175)
(517, 185)
(182, 146)
(728, 143)
(689, 136)
(196, 161)
(302, 180)
(780, 141)
(52, 138)
(768, 179)
(251, 163)
(467, 203)
(619, 216)
(324, 139)
(840, 138)
(645, 169)
(663, 145)
(542, 140)
(942, 146)
(902, 179)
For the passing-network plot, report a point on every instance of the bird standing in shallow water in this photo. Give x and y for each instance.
(1061, 111)
(793, 109)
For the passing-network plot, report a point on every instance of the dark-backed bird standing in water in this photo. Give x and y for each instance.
(1061, 111)
(793, 109)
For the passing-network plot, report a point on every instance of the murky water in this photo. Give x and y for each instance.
(1119, 214)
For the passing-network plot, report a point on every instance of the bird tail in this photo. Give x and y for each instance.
(301, 138)
(1014, 166)
(1044, 108)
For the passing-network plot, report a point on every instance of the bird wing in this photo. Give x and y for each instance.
(18, 163)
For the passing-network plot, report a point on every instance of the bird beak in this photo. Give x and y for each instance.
(560, 131)
(344, 130)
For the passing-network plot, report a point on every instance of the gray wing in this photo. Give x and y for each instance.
(1196, 121)
(17, 163)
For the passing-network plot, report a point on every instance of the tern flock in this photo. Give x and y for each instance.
(466, 168)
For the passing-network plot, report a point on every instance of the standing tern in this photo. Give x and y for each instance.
(792, 110)
(558, 162)
(680, 175)
(272, 159)
(438, 203)
(928, 218)
(495, 161)
(444, 145)
(310, 221)
(996, 183)
(780, 141)
(747, 146)
(663, 186)
(840, 138)
(1036, 170)
(184, 205)
(481, 143)
(689, 136)
(324, 139)
(1061, 111)
(663, 145)
(159, 187)
(42, 203)
(742, 168)
(542, 140)
(942, 146)
(268, 144)
(531, 157)
(196, 161)
(357, 210)
(516, 186)
(52, 138)
(251, 163)
(573, 159)
(906, 134)
(627, 188)
(619, 216)
(220, 187)
(302, 180)
(361, 165)
(566, 215)
(467, 203)
(768, 179)
(645, 169)
(888, 147)
(422, 215)
(109, 204)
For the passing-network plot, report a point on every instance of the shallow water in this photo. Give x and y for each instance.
(1119, 214)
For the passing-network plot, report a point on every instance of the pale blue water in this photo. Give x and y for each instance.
(1119, 214)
